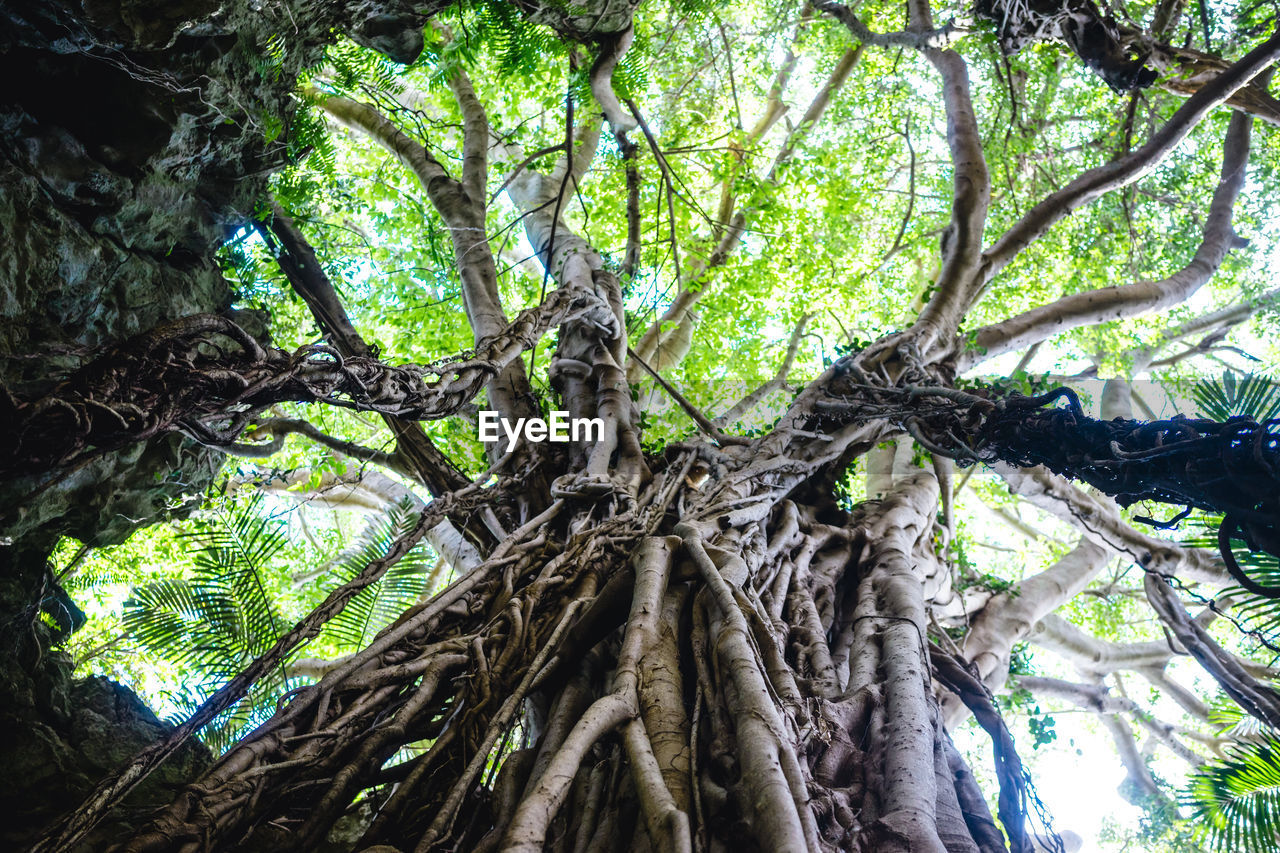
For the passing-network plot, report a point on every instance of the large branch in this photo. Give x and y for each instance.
(371, 122)
(1227, 467)
(971, 197)
(1116, 303)
(1100, 522)
(1100, 700)
(205, 376)
(1010, 616)
(1127, 169)
(298, 261)
(1095, 657)
(1260, 700)
(541, 199)
(1139, 787)
(475, 136)
(416, 455)
(612, 49)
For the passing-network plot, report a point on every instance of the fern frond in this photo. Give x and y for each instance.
(1236, 799)
(1249, 395)
(376, 606)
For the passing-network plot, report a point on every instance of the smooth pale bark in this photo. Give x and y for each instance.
(1139, 786)
(1127, 169)
(971, 197)
(1010, 616)
(1094, 656)
(1116, 303)
(1100, 521)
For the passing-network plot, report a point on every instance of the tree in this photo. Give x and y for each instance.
(687, 640)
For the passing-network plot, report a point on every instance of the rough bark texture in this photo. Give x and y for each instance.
(133, 143)
(696, 648)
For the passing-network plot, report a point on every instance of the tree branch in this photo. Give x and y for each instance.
(371, 122)
(475, 136)
(279, 428)
(1116, 303)
(927, 39)
(1100, 700)
(1259, 700)
(971, 197)
(1011, 615)
(1093, 656)
(601, 76)
(416, 455)
(1127, 169)
(1212, 324)
(1100, 521)
(462, 205)
(184, 376)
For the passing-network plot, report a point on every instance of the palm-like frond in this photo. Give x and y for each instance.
(220, 619)
(94, 574)
(374, 607)
(230, 566)
(1250, 395)
(228, 727)
(1236, 800)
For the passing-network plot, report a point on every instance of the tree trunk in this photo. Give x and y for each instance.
(711, 665)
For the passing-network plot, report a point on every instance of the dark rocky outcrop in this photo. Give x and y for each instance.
(135, 138)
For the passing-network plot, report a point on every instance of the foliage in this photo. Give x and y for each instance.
(374, 607)
(220, 619)
(1041, 726)
(230, 609)
(1236, 799)
(871, 175)
(1250, 395)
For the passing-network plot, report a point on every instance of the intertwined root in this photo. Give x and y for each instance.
(630, 674)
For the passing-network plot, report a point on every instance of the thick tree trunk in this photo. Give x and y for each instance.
(697, 650)
(703, 666)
